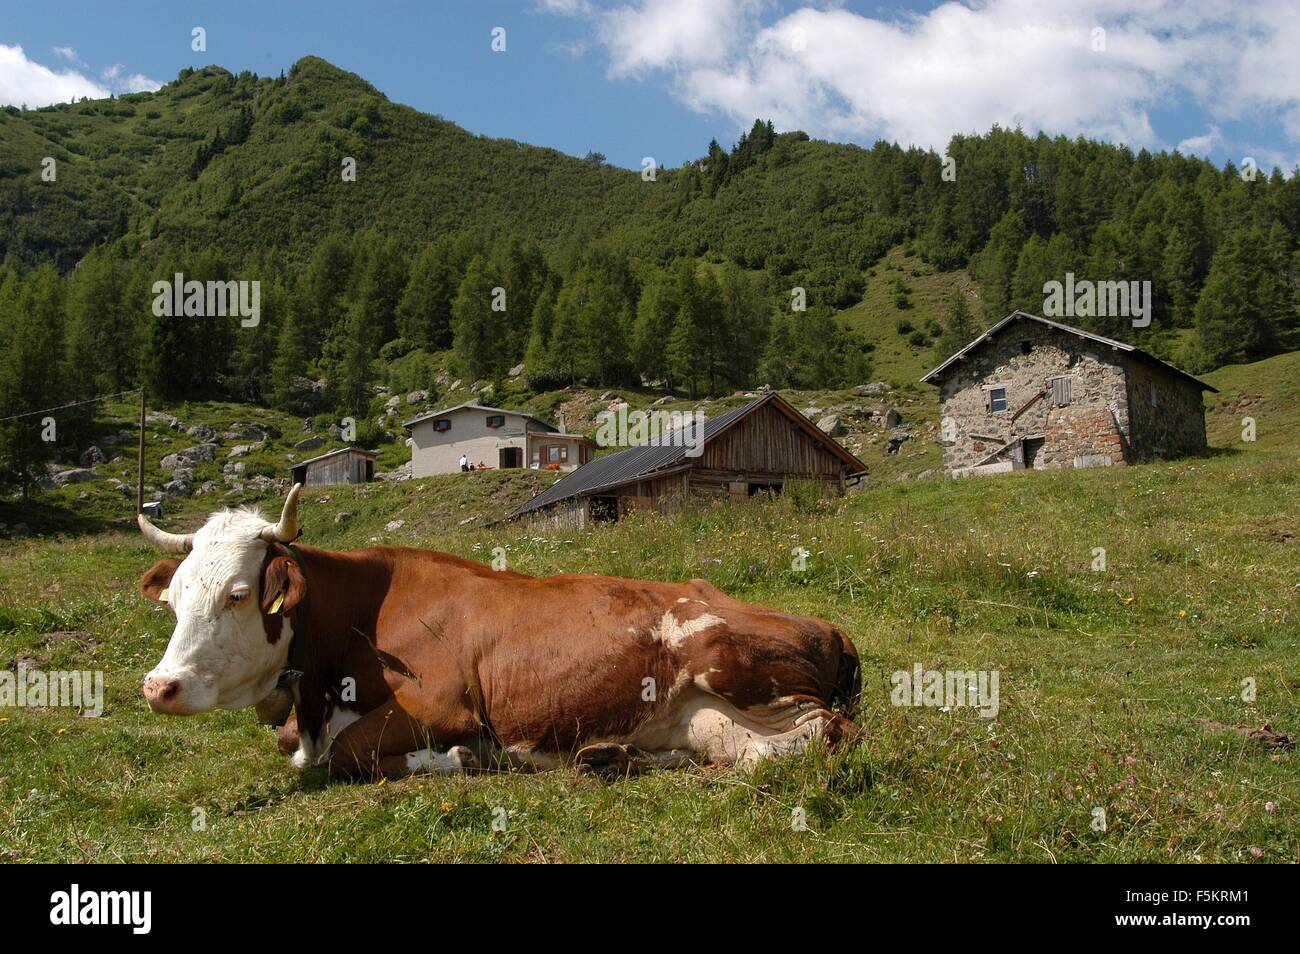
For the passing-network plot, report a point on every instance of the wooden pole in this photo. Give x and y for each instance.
(139, 487)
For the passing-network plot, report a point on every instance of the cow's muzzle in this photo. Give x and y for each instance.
(164, 694)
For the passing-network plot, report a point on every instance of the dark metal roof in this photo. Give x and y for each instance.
(634, 463)
(1101, 339)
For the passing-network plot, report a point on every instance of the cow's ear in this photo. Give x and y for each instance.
(154, 584)
(282, 585)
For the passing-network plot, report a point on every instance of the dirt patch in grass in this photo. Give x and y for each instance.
(1264, 734)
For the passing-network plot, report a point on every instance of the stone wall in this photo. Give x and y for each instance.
(1083, 437)
(1168, 411)
(1093, 425)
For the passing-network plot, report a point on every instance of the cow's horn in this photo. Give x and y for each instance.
(167, 542)
(286, 531)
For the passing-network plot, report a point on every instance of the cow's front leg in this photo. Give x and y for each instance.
(387, 742)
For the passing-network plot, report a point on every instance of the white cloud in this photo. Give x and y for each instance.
(139, 83)
(1203, 144)
(659, 34)
(963, 66)
(565, 8)
(121, 82)
(23, 81)
(26, 82)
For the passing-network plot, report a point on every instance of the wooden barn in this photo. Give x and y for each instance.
(347, 465)
(749, 450)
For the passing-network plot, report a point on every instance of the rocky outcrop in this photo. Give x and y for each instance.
(188, 457)
(251, 430)
(832, 425)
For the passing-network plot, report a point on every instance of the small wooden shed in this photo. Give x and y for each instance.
(347, 465)
(752, 449)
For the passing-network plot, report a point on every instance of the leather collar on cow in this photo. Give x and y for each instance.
(275, 708)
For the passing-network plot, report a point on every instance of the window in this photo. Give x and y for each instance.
(496, 420)
(557, 454)
(442, 425)
(1062, 391)
(997, 399)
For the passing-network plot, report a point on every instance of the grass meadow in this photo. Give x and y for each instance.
(1121, 689)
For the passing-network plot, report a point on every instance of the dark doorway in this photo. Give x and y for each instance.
(768, 488)
(1033, 445)
(604, 509)
(511, 457)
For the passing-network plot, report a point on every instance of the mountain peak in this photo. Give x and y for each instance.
(315, 69)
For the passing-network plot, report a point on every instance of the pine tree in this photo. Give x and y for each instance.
(521, 270)
(995, 266)
(355, 369)
(1178, 276)
(778, 363)
(424, 311)
(565, 346)
(745, 305)
(684, 352)
(31, 330)
(656, 312)
(539, 373)
(958, 329)
(478, 331)
(1243, 303)
(291, 356)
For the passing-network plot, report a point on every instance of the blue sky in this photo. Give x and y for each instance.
(636, 78)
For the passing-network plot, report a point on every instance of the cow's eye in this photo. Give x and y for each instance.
(237, 597)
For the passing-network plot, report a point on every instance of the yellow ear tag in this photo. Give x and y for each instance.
(279, 601)
(164, 594)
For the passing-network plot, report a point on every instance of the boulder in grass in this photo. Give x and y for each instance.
(831, 425)
(74, 475)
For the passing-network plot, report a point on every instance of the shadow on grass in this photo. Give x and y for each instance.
(1211, 453)
(47, 518)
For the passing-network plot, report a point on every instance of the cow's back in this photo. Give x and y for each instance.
(552, 663)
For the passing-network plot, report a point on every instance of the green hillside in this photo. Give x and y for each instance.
(457, 265)
(1268, 392)
(279, 185)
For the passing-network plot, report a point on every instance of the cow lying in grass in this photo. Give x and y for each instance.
(401, 660)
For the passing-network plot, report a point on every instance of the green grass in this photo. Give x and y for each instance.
(1106, 678)
(895, 359)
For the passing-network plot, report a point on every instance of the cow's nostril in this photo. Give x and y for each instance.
(162, 693)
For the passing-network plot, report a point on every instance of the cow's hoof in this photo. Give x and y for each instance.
(605, 758)
(464, 758)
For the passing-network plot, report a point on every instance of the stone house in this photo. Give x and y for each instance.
(492, 436)
(1033, 393)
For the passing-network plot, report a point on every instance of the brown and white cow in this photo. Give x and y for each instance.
(420, 661)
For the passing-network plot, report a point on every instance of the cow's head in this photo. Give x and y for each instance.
(228, 646)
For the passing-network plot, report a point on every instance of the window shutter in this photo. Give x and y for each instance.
(1062, 391)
